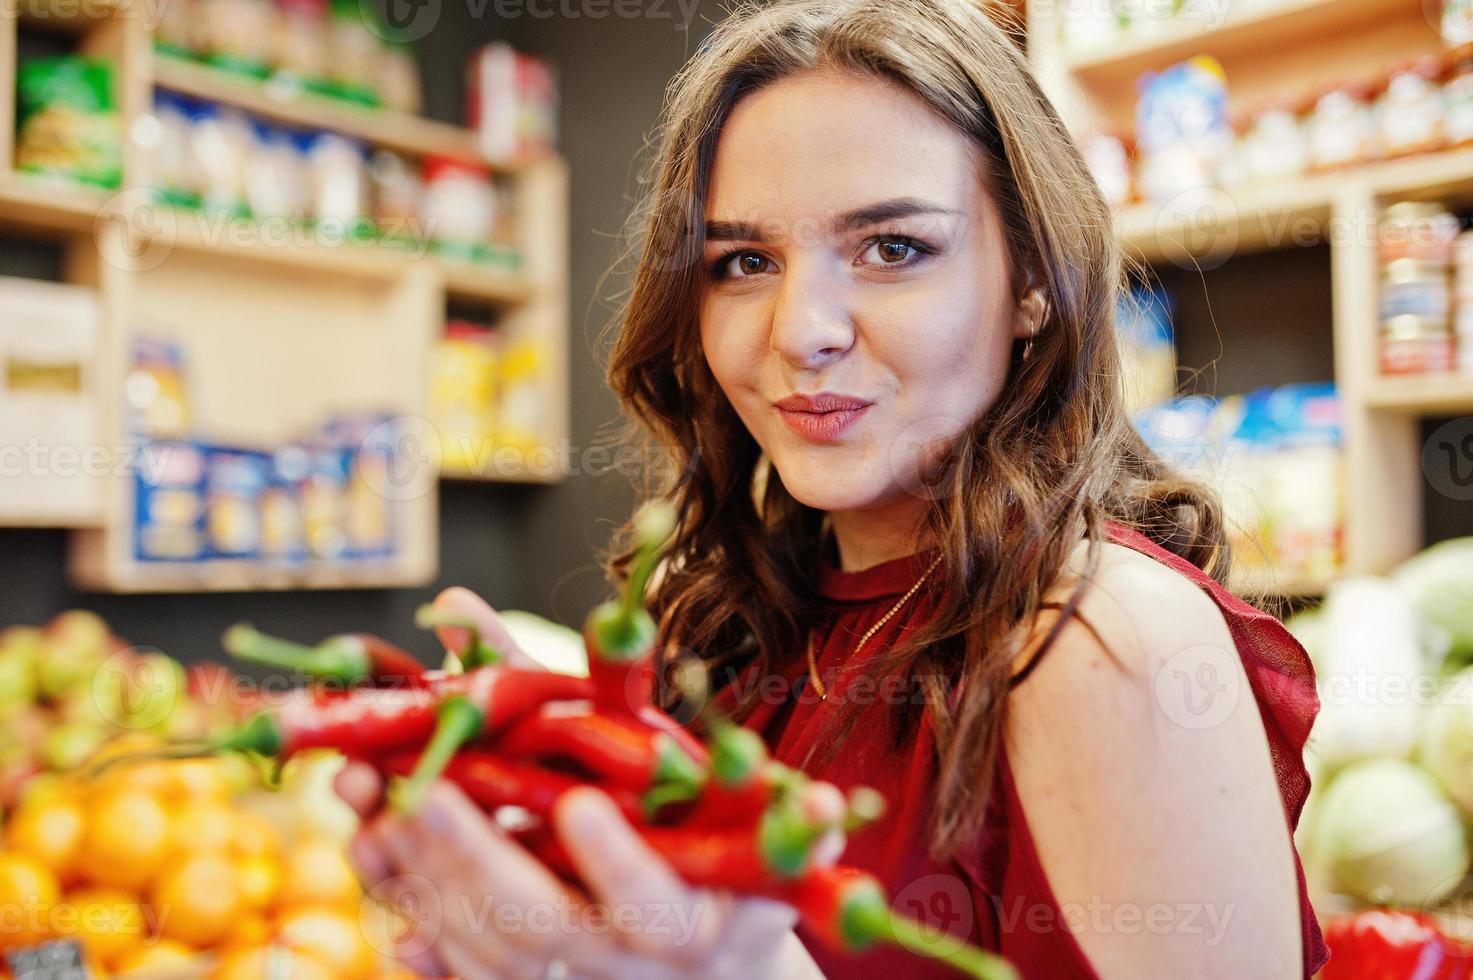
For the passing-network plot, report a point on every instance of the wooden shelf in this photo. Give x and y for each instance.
(1433, 394)
(1249, 25)
(286, 103)
(42, 205)
(524, 476)
(1284, 215)
(228, 576)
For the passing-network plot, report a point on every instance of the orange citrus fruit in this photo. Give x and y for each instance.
(206, 778)
(155, 956)
(315, 871)
(271, 963)
(203, 824)
(250, 930)
(258, 877)
(254, 835)
(332, 936)
(108, 922)
(126, 839)
(28, 894)
(49, 829)
(195, 899)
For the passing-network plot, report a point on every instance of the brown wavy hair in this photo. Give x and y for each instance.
(1041, 469)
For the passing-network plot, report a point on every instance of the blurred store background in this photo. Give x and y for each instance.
(259, 258)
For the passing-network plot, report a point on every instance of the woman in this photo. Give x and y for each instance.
(872, 319)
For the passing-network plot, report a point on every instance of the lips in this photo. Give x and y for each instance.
(823, 417)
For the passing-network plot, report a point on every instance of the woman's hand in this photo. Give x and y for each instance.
(464, 602)
(483, 906)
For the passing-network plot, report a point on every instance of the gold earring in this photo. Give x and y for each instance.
(1028, 347)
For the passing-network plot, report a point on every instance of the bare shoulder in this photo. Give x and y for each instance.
(1144, 772)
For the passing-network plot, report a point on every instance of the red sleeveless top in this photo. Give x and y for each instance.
(994, 894)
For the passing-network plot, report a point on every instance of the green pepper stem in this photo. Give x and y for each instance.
(260, 735)
(912, 935)
(459, 721)
(330, 659)
(477, 652)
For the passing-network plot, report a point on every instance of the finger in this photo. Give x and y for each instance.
(360, 787)
(626, 874)
(368, 859)
(464, 961)
(464, 602)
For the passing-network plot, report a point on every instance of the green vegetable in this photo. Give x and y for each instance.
(1439, 583)
(1387, 834)
(1446, 749)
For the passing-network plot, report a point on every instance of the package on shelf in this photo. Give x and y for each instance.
(169, 500)
(47, 399)
(1421, 274)
(235, 488)
(463, 394)
(299, 40)
(522, 409)
(67, 123)
(283, 530)
(1274, 456)
(513, 103)
(155, 389)
(375, 447)
(1182, 131)
(397, 195)
(354, 50)
(1147, 354)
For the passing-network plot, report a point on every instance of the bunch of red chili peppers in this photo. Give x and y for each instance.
(724, 814)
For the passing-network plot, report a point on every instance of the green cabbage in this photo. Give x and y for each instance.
(1446, 749)
(1388, 835)
(1439, 582)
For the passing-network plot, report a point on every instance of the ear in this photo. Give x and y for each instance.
(1029, 316)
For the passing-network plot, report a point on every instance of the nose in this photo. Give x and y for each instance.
(811, 325)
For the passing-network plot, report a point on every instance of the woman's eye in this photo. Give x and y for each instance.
(894, 250)
(740, 264)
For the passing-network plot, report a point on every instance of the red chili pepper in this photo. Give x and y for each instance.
(492, 781)
(1385, 944)
(613, 747)
(347, 658)
(744, 780)
(619, 635)
(365, 723)
(847, 910)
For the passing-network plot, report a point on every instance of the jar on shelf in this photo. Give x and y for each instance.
(355, 52)
(1457, 96)
(1276, 144)
(300, 44)
(458, 207)
(398, 79)
(1413, 287)
(1342, 126)
(235, 34)
(1109, 162)
(1423, 230)
(1411, 109)
(1417, 345)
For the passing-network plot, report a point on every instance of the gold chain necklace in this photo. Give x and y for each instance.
(823, 694)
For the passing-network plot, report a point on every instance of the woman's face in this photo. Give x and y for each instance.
(857, 303)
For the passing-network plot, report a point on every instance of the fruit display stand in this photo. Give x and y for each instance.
(1289, 47)
(279, 331)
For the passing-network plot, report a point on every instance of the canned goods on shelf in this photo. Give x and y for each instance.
(1414, 287)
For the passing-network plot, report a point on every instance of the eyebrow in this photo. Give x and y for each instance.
(872, 214)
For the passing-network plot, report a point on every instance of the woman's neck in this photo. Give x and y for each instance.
(871, 537)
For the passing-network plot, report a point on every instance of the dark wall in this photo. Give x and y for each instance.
(523, 547)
